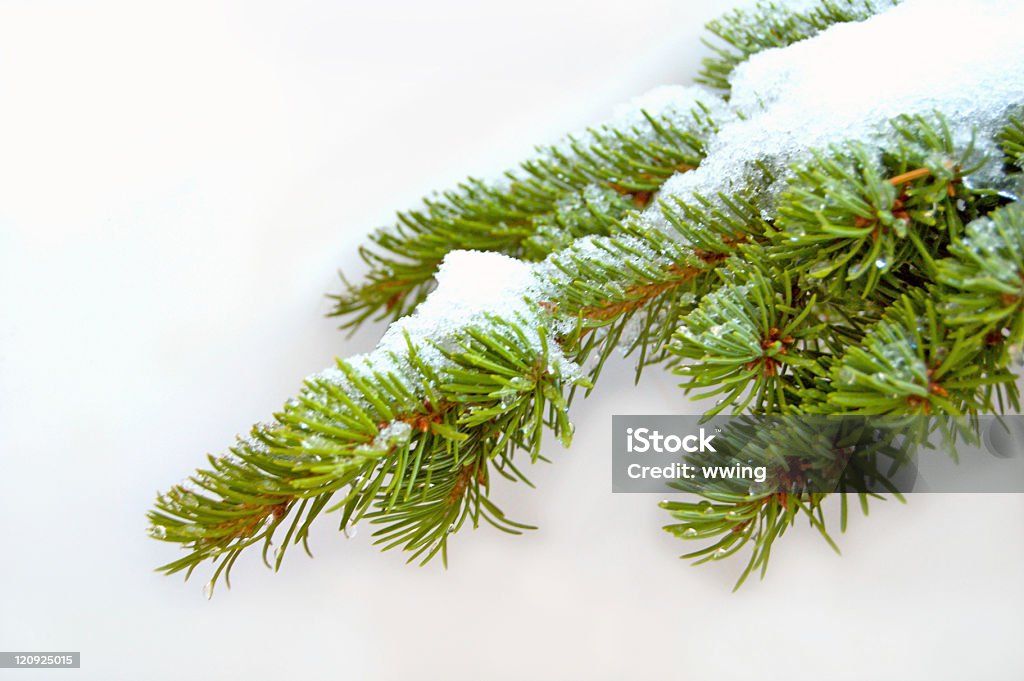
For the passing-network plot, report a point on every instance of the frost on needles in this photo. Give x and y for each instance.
(830, 226)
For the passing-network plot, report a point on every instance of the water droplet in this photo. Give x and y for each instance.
(208, 590)
(451, 528)
(721, 552)
(689, 532)
(820, 268)
(709, 509)
(350, 531)
(158, 532)
(881, 263)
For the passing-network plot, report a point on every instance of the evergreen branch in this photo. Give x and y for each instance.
(748, 337)
(580, 187)
(987, 272)
(778, 335)
(847, 215)
(985, 278)
(413, 456)
(611, 286)
(805, 459)
(627, 291)
(737, 520)
(911, 362)
(883, 280)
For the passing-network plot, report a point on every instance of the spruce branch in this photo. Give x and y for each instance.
(847, 218)
(802, 458)
(415, 458)
(986, 271)
(569, 190)
(748, 338)
(625, 292)
(738, 520)
(880, 273)
(776, 336)
(911, 362)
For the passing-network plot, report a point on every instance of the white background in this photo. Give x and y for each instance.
(179, 183)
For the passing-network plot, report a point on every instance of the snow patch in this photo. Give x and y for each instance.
(847, 82)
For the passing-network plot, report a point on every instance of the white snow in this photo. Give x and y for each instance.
(394, 432)
(469, 284)
(963, 58)
(472, 288)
